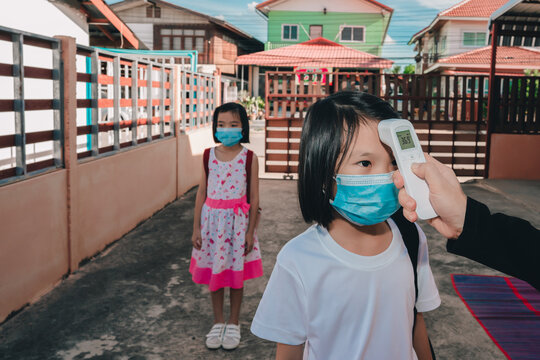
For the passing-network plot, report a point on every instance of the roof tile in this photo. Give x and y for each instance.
(318, 52)
(506, 55)
(473, 8)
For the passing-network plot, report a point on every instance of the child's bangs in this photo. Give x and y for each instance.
(351, 120)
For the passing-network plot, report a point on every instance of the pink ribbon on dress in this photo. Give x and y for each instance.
(236, 204)
(241, 206)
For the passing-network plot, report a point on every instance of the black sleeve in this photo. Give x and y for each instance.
(504, 243)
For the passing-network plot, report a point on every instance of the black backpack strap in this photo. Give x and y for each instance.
(249, 159)
(206, 159)
(411, 239)
(410, 236)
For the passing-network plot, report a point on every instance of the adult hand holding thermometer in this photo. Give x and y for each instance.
(400, 136)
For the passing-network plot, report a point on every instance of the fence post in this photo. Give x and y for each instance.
(18, 103)
(193, 117)
(134, 101)
(182, 90)
(149, 105)
(58, 154)
(176, 98)
(175, 95)
(116, 102)
(69, 106)
(491, 93)
(217, 89)
(162, 102)
(95, 69)
(172, 104)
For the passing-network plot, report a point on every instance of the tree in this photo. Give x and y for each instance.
(396, 69)
(409, 69)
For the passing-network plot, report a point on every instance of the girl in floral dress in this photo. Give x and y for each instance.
(225, 245)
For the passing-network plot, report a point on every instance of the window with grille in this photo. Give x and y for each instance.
(289, 32)
(442, 44)
(352, 34)
(474, 38)
(153, 12)
(182, 39)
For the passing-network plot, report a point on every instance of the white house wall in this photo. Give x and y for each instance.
(454, 30)
(43, 18)
(40, 17)
(145, 32)
(353, 6)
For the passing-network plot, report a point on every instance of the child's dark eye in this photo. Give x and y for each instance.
(394, 163)
(364, 163)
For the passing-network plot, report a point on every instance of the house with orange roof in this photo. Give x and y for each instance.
(511, 60)
(164, 25)
(358, 24)
(318, 55)
(319, 36)
(461, 28)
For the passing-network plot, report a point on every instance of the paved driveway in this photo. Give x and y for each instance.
(136, 299)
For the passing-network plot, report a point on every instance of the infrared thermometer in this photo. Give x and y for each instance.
(399, 134)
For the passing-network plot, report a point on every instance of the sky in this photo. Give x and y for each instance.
(409, 17)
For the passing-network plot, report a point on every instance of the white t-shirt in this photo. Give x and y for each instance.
(346, 306)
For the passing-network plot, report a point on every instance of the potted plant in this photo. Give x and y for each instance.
(254, 105)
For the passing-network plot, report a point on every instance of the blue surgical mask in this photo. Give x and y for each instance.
(365, 199)
(229, 136)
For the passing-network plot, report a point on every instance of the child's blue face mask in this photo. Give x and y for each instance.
(229, 136)
(365, 199)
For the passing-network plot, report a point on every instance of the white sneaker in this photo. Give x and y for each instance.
(231, 337)
(215, 336)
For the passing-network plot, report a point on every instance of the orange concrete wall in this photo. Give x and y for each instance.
(515, 156)
(116, 193)
(34, 238)
(111, 195)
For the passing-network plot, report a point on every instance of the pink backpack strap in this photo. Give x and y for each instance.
(249, 159)
(206, 159)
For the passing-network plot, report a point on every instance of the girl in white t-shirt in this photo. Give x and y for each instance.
(344, 289)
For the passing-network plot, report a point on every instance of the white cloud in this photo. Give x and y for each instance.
(252, 5)
(438, 4)
(388, 40)
(220, 17)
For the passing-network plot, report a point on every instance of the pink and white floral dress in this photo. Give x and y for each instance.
(224, 222)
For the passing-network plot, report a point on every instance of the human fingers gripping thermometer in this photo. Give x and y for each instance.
(400, 136)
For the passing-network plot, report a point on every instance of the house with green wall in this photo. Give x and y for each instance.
(358, 24)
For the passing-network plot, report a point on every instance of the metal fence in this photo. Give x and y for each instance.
(17, 140)
(131, 102)
(199, 96)
(516, 105)
(122, 101)
(448, 112)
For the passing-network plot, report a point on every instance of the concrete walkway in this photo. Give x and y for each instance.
(136, 299)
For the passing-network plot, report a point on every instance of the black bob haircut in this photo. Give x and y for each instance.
(239, 111)
(328, 131)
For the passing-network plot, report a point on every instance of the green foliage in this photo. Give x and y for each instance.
(532, 86)
(396, 69)
(409, 69)
(531, 72)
